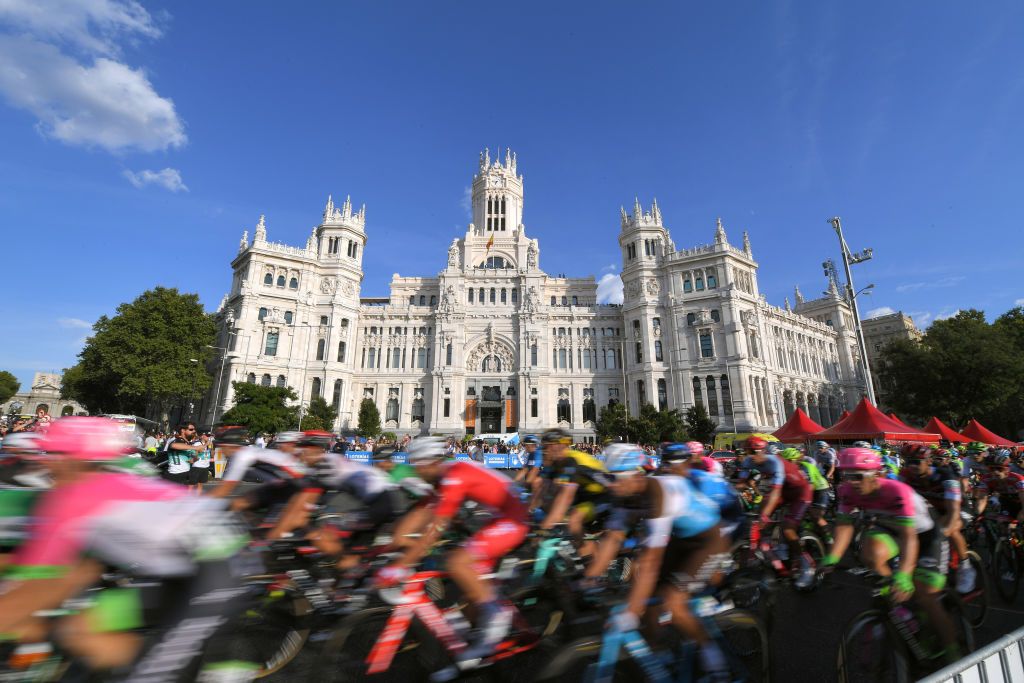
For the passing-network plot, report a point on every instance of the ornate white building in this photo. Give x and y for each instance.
(492, 343)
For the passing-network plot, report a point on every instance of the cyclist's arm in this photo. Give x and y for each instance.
(560, 507)
(909, 546)
(296, 513)
(980, 499)
(841, 538)
(648, 565)
(24, 598)
(425, 542)
(772, 501)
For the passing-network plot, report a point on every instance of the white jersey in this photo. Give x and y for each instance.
(364, 482)
(246, 457)
(202, 457)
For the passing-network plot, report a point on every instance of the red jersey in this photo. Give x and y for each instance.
(1008, 486)
(464, 481)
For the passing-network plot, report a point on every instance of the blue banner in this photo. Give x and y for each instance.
(496, 460)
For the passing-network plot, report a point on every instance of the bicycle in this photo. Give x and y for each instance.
(976, 600)
(1006, 563)
(629, 656)
(887, 642)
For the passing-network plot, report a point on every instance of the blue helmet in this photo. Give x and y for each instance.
(624, 457)
(771, 448)
(675, 452)
(531, 439)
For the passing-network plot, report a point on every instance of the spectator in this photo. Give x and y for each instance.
(200, 472)
(261, 441)
(180, 451)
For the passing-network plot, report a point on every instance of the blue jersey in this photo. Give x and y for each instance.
(720, 492)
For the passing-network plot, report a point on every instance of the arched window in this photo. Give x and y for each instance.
(392, 409)
(418, 410)
(493, 295)
(293, 283)
(433, 299)
(268, 279)
(491, 364)
(657, 351)
(515, 295)
(575, 301)
(564, 410)
(315, 390)
(697, 396)
(251, 379)
(262, 314)
(493, 262)
(565, 301)
(662, 395)
(641, 393)
(280, 280)
(712, 396)
(712, 279)
(533, 354)
(265, 380)
(562, 359)
(336, 398)
(471, 290)
(412, 300)
(282, 382)
(341, 352)
(687, 285)
(554, 301)
(288, 317)
(421, 357)
(480, 295)
(423, 300)
(700, 284)
(609, 359)
(321, 346)
(726, 396)
(448, 355)
(504, 296)
(67, 410)
(589, 408)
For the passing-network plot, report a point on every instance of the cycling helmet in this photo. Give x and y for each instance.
(531, 439)
(425, 449)
(383, 453)
(316, 438)
(821, 444)
(859, 459)
(861, 444)
(1000, 460)
(231, 435)
(288, 437)
(557, 436)
(21, 441)
(791, 454)
(914, 451)
(676, 452)
(85, 438)
(696, 447)
(756, 443)
(772, 448)
(624, 457)
(976, 447)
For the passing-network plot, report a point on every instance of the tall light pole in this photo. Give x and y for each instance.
(192, 393)
(220, 375)
(851, 296)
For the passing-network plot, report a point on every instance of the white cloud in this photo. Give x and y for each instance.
(609, 289)
(1019, 302)
(106, 104)
(946, 314)
(168, 178)
(467, 202)
(951, 281)
(878, 312)
(74, 323)
(921, 318)
(89, 25)
(611, 268)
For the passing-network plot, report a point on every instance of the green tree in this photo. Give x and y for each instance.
(643, 428)
(369, 419)
(320, 413)
(140, 357)
(699, 425)
(612, 423)
(671, 426)
(262, 409)
(9, 385)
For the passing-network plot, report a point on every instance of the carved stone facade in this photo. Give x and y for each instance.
(494, 344)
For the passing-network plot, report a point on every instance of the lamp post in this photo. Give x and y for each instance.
(192, 393)
(220, 375)
(849, 259)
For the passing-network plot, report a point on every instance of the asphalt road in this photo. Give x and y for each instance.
(804, 638)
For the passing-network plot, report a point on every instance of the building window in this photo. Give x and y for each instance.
(448, 355)
(533, 355)
(562, 359)
(418, 410)
(392, 409)
(707, 349)
(288, 317)
(293, 283)
(515, 295)
(315, 389)
(336, 398)
(504, 295)
(321, 347)
(323, 321)
(716, 316)
(700, 284)
(698, 398)
(271, 347)
(726, 396)
(609, 359)
(280, 280)
(373, 357)
(433, 299)
(493, 293)
(396, 358)
(341, 352)
(251, 379)
(712, 396)
(268, 279)
(565, 301)
(564, 410)
(613, 396)
(657, 351)
(687, 285)
(691, 318)
(589, 407)
(712, 280)
(662, 395)
(639, 352)
(471, 290)
(494, 262)
(554, 301)
(262, 314)
(265, 380)
(533, 407)
(641, 393)
(282, 382)
(447, 407)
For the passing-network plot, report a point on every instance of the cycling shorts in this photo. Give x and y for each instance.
(822, 499)
(199, 475)
(932, 554)
(496, 539)
(795, 511)
(689, 563)
(272, 494)
(183, 478)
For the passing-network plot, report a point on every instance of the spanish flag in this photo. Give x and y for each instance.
(490, 243)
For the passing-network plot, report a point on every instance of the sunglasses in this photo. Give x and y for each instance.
(857, 476)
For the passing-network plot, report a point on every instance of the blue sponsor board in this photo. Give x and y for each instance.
(359, 456)
(400, 458)
(496, 460)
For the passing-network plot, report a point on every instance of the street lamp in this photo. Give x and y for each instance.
(220, 375)
(192, 394)
(849, 258)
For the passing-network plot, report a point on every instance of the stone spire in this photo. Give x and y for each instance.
(244, 243)
(656, 212)
(638, 212)
(789, 309)
(329, 209)
(720, 237)
(746, 244)
(625, 217)
(508, 158)
(311, 241)
(799, 295)
(261, 230)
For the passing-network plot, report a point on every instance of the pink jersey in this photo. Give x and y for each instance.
(894, 504)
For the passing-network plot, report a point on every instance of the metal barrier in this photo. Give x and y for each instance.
(1001, 661)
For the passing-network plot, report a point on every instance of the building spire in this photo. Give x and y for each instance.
(656, 212)
(746, 244)
(329, 209)
(244, 243)
(720, 237)
(798, 294)
(638, 212)
(261, 230)
(789, 309)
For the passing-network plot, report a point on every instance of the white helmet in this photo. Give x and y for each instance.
(624, 457)
(425, 449)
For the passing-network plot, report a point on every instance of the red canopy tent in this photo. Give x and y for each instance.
(977, 432)
(799, 427)
(843, 415)
(936, 425)
(868, 422)
(892, 416)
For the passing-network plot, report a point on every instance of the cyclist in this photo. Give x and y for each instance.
(1002, 482)
(529, 473)
(825, 457)
(685, 460)
(903, 529)
(278, 468)
(789, 489)
(458, 482)
(93, 519)
(682, 550)
(580, 481)
(821, 498)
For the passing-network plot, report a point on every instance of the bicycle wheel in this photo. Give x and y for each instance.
(745, 642)
(578, 662)
(964, 631)
(867, 654)
(1006, 570)
(976, 601)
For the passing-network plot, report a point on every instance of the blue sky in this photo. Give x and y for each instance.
(137, 141)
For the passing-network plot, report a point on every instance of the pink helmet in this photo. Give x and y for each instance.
(85, 438)
(859, 459)
(696, 447)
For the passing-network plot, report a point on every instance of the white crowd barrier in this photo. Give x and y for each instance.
(1001, 661)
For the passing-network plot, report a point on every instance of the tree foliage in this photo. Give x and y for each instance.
(319, 413)
(369, 419)
(963, 368)
(141, 355)
(699, 424)
(612, 423)
(650, 427)
(9, 385)
(262, 409)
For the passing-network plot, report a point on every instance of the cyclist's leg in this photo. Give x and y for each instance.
(791, 520)
(877, 549)
(929, 581)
